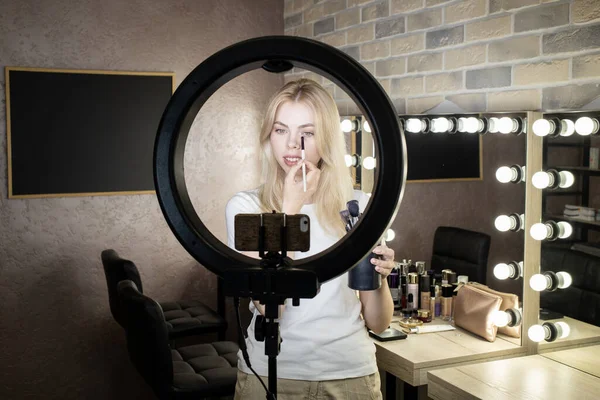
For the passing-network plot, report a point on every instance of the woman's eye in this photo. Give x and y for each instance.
(307, 133)
(280, 131)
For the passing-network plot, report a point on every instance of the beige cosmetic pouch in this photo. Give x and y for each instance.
(509, 300)
(474, 309)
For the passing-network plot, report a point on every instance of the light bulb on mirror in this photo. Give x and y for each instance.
(390, 235)
(352, 160)
(550, 281)
(564, 279)
(565, 230)
(348, 160)
(536, 333)
(512, 174)
(586, 126)
(543, 127)
(440, 125)
(564, 329)
(366, 127)
(566, 179)
(369, 163)
(512, 270)
(538, 282)
(553, 127)
(539, 231)
(512, 222)
(415, 125)
(348, 125)
(509, 317)
(541, 180)
(553, 179)
(549, 331)
(551, 230)
(473, 125)
(504, 174)
(507, 125)
(493, 123)
(500, 318)
(567, 127)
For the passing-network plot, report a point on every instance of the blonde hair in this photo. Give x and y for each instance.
(335, 182)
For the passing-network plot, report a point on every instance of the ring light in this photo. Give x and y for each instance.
(279, 54)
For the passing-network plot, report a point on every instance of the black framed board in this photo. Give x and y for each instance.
(442, 157)
(82, 132)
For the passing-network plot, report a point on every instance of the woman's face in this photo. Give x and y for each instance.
(293, 120)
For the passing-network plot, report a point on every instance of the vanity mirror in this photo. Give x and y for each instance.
(569, 278)
(452, 160)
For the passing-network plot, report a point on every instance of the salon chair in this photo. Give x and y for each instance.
(581, 300)
(461, 250)
(189, 372)
(183, 318)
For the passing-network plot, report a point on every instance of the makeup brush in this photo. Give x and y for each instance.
(354, 210)
(345, 214)
(303, 166)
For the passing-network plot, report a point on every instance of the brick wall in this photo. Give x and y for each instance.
(483, 55)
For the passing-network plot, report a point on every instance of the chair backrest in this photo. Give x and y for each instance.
(461, 250)
(117, 269)
(147, 337)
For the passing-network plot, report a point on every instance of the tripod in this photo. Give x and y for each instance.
(270, 284)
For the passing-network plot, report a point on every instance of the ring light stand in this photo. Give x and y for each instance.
(245, 276)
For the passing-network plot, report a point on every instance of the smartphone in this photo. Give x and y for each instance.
(388, 334)
(247, 231)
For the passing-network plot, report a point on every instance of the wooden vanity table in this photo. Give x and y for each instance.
(568, 368)
(531, 377)
(410, 359)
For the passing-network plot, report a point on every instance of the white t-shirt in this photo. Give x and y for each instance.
(325, 337)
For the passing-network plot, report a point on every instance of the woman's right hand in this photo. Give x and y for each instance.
(294, 196)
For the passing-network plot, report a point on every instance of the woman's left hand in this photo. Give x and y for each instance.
(386, 264)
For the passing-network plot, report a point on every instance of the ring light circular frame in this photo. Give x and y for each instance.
(278, 54)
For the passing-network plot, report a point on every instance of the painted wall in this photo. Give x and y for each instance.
(58, 338)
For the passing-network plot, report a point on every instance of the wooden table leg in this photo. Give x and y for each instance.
(411, 392)
(390, 386)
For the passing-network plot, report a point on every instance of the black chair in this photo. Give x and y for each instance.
(461, 250)
(581, 300)
(189, 372)
(184, 318)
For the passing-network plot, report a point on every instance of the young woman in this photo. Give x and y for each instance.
(325, 351)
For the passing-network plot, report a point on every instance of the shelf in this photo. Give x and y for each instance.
(563, 193)
(582, 170)
(572, 219)
(564, 144)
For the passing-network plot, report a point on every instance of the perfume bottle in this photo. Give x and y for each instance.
(413, 288)
(447, 302)
(425, 283)
(432, 301)
(393, 283)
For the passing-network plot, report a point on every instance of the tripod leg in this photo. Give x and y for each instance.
(273, 375)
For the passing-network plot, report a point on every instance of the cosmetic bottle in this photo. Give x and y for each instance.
(452, 278)
(393, 283)
(438, 301)
(410, 301)
(425, 283)
(420, 265)
(445, 273)
(403, 291)
(432, 301)
(447, 302)
(413, 288)
(423, 315)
